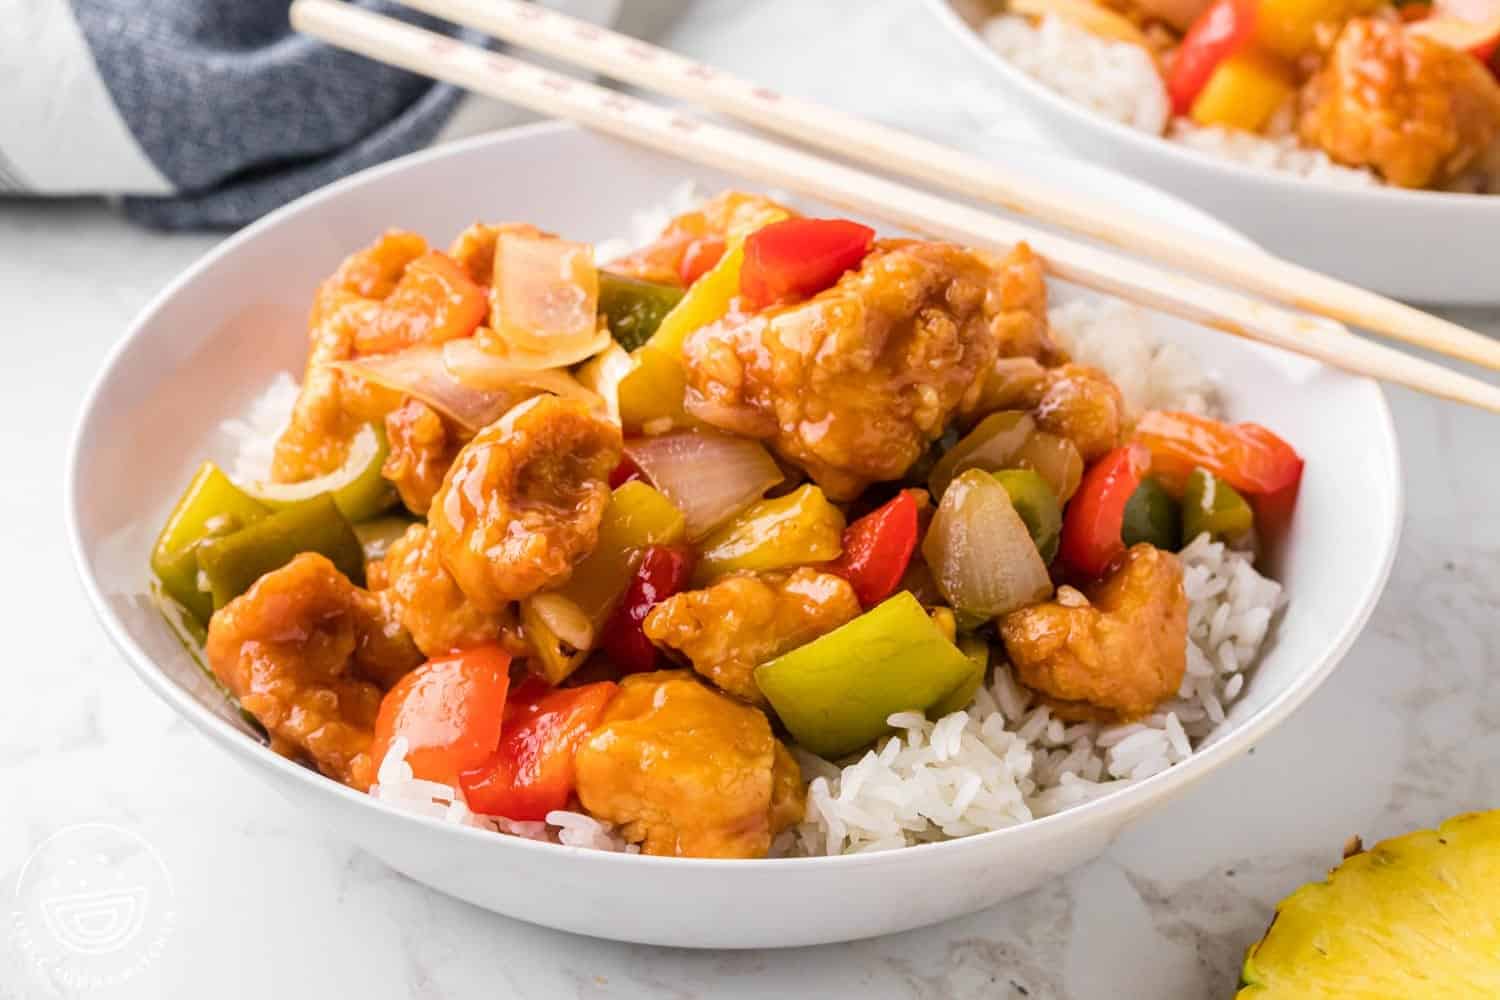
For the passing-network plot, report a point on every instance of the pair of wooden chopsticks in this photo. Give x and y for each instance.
(678, 134)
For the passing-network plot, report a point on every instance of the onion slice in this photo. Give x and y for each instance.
(478, 369)
(979, 550)
(708, 476)
(603, 374)
(545, 293)
(420, 372)
(558, 355)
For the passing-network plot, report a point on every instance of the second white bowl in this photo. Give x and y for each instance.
(1423, 246)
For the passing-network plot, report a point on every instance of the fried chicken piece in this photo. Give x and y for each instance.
(474, 249)
(415, 589)
(309, 655)
(521, 505)
(1083, 405)
(423, 446)
(726, 214)
(688, 772)
(1114, 655)
(372, 273)
(1073, 401)
(331, 406)
(853, 384)
(744, 620)
(1420, 113)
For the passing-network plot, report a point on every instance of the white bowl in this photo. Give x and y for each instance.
(1424, 246)
(219, 333)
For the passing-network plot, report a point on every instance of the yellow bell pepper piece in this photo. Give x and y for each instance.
(794, 530)
(551, 657)
(1289, 27)
(1244, 92)
(636, 516)
(651, 393)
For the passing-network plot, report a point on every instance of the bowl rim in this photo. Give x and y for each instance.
(1274, 183)
(1120, 804)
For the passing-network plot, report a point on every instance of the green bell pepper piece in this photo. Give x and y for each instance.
(1212, 505)
(358, 486)
(1038, 507)
(1152, 516)
(211, 506)
(799, 528)
(978, 652)
(637, 516)
(231, 564)
(633, 308)
(991, 445)
(835, 693)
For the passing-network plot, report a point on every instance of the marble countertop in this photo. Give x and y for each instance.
(269, 905)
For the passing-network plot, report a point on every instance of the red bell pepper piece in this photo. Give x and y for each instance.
(1224, 29)
(663, 571)
(434, 301)
(1247, 456)
(796, 258)
(699, 258)
(449, 710)
(627, 471)
(531, 772)
(878, 548)
(1092, 526)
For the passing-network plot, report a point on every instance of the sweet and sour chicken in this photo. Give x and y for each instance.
(789, 481)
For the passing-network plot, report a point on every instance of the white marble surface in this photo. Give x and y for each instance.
(268, 905)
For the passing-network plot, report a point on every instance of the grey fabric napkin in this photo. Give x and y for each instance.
(203, 113)
(242, 115)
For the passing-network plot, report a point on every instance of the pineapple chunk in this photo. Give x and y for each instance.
(1415, 917)
(1289, 27)
(1244, 92)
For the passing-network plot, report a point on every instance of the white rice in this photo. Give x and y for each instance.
(1005, 759)
(647, 223)
(1278, 151)
(396, 785)
(1120, 81)
(1116, 79)
(253, 436)
(1117, 337)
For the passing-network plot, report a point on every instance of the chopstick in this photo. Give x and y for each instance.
(677, 134)
(891, 150)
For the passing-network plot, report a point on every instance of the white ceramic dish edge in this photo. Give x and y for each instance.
(1363, 235)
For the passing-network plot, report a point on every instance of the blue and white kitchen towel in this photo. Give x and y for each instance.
(201, 113)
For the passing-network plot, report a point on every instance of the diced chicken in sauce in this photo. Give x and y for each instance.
(522, 502)
(854, 383)
(1115, 651)
(1416, 111)
(416, 589)
(331, 406)
(423, 445)
(514, 649)
(683, 770)
(309, 655)
(728, 629)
